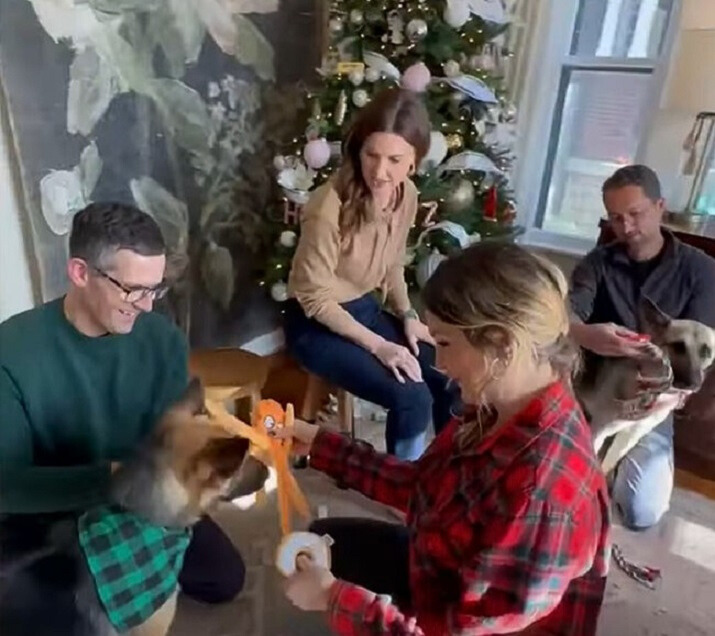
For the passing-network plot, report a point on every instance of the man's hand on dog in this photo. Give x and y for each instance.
(609, 339)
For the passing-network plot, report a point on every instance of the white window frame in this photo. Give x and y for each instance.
(549, 62)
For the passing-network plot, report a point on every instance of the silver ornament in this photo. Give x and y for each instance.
(372, 74)
(451, 68)
(416, 30)
(460, 198)
(288, 238)
(356, 77)
(279, 162)
(509, 112)
(357, 17)
(360, 97)
(341, 108)
(279, 292)
(335, 26)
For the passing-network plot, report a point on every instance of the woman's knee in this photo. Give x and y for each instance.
(411, 395)
(411, 403)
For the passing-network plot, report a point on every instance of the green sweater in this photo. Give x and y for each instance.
(71, 404)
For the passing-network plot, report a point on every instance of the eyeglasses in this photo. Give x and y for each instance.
(133, 295)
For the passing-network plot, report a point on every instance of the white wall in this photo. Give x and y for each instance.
(663, 150)
(15, 282)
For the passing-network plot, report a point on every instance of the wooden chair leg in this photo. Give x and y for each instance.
(315, 394)
(346, 412)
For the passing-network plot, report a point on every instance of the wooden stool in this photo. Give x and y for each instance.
(316, 393)
(231, 374)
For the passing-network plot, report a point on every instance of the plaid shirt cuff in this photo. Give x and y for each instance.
(327, 451)
(346, 608)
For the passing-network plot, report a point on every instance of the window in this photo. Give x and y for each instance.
(607, 87)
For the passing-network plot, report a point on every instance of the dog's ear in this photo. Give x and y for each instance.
(223, 456)
(653, 320)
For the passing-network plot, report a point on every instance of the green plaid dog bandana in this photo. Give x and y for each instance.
(135, 564)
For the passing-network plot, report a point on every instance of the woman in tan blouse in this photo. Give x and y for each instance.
(352, 243)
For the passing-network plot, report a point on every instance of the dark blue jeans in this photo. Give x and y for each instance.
(410, 406)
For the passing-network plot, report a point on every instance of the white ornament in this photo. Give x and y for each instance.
(356, 77)
(427, 266)
(437, 152)
(335, 26)
(279, 162)
(372, 74)
(360, 98)
(451, 68)
(288, 238)
(457, 13)
(357, 17)
(279, 292)
(489, 10)
(396, 26)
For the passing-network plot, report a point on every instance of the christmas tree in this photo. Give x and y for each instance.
(453, 52)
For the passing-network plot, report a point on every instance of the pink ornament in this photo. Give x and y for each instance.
(416, 78)
(316, 153)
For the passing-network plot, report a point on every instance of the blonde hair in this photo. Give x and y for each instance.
(392, 110)
(510, 303)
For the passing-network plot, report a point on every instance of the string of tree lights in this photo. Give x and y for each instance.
(454, 53)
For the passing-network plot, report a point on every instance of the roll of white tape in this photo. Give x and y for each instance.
(297, 543)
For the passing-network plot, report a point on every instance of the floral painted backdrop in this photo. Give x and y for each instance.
(173, 105)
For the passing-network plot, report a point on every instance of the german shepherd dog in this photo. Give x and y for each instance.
(183, 468)
(673, 366)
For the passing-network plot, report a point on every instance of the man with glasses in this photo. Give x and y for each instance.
(84, 378)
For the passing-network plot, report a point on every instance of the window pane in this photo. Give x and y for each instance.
(621, 28)
(599, 132)
(706, 201)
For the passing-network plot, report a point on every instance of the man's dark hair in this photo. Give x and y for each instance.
(636, 175)
(100, 229)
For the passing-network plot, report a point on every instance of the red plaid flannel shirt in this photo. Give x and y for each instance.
(511, 536)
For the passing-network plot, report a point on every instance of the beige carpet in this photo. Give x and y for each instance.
(683, 547)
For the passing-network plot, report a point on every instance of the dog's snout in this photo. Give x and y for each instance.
(690, 379)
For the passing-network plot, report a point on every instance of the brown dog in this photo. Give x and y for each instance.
(170, 482)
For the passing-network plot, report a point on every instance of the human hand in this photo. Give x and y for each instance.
(416, 331)
(399, 360)
(609, 339)
(301, 433)
(309, 588)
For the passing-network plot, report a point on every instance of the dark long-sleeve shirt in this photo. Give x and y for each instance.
(607, 285)
(70, 404)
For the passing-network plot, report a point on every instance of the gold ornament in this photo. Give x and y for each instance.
(460, 198)
(454, 141)
(341, 108)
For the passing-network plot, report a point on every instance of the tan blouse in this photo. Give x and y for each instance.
(329, 269)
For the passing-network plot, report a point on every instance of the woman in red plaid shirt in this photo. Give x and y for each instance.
(507, 520)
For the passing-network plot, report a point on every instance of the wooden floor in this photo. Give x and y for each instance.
(689, 481)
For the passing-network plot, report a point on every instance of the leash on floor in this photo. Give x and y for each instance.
(642, 574)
